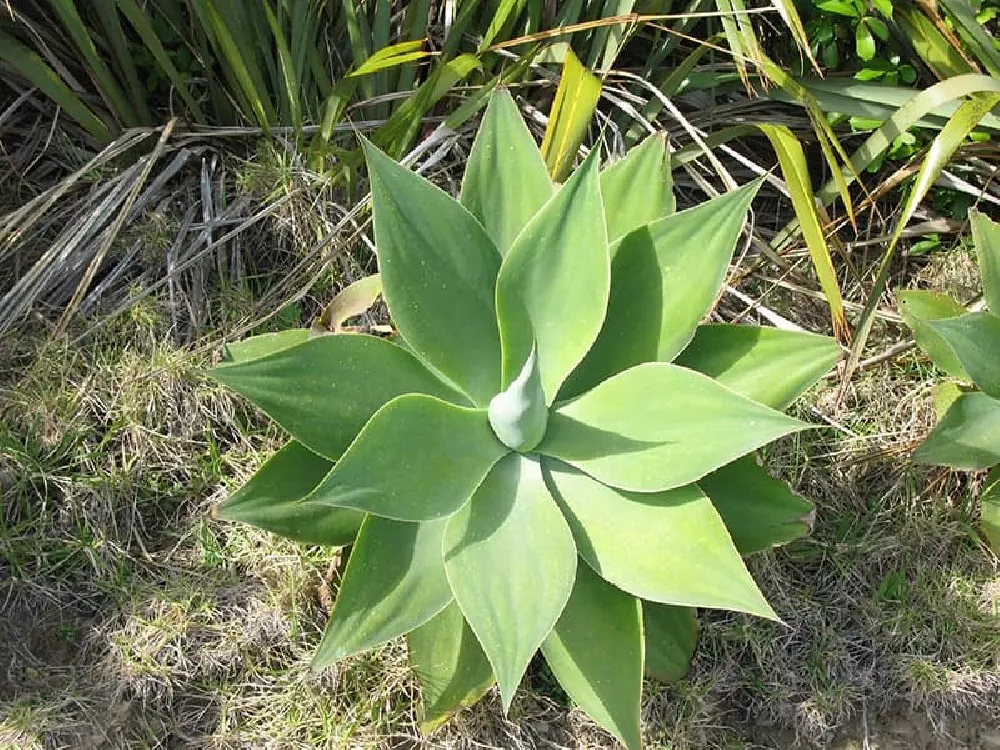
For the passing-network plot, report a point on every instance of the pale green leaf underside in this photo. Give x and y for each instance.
(772, 366)
(595, 652)
(553, 286)
(671, 636)
(657, 426)
(638, 188)
(511, 562)
(453, 670)
(759, 511)
(418, 458)
(967, 437)
(506, 181)
(669, 547)
(986, 238)
(438, 269)
(918, 307)
(395, 582)
(664, 280)
(262, 345)
(975, 340)
(339, 382)
(273, 500)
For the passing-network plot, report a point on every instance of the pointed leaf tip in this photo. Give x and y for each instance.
(518, 415)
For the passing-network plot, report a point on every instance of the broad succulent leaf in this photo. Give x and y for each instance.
(438, 269)
(395, 581)
(595, 651)
(553, 286)
(639, 540)
(452, 668)
(918, 308)
(621, 436)
(437, 452)
(511, 563)
(655, 306)
(967, 437)
(647, 168)
(324, 390)
(759, 511)
(671, 634)
(975, 340)
(273, 500)
(990, 522)
(986, 239)
(772, 366)
(506, 181)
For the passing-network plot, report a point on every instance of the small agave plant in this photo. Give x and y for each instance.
(966, 346)
(551, 452)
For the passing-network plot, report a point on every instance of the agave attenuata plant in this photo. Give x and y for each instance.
(552, 452)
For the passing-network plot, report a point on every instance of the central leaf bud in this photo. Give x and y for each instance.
(519, 415)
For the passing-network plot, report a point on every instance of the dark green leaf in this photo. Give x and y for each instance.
(671, 636)
(438, 269)
(418, 458)
(511, 563)
(452, 668)
(968, 437)
(659, 426)
(273, 500)
(772, 366)
(395, 582)
(986, 238)
(975, 340)
(918, 307)
(324, 390)
(595, 651)
(990, 523)
(553, 287)
(655, 307)
(759, 511)
(627, 208)
(506, 181)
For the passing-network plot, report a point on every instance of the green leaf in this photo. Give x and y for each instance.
(574, 105)
(518, 415)
(944, 393)
(772, 366)
(864, 41)
(975, 340)
(669, 547)
(394, 582)
(918, 307)
(595, 651)
(256, 347)
(438, 269)
(340, 381)
(990, 522)
(759, 511)
(671, 636)
(452, 668)
(418, 458)
(495, 551)
(968, 437)
(654, 308)
(627, 209)
(986, 238)
(553, 286)
(506, 181)
(273, 500)
(659, 426)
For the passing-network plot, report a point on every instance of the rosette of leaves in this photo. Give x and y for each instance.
(552, 453)
(966, 346)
